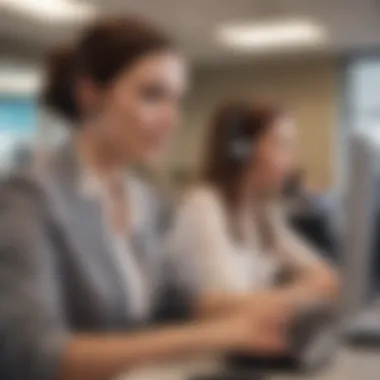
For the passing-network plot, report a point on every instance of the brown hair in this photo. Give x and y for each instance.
(105, 49)
(237, 121)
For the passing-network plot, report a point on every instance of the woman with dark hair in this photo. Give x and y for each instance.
(229, 234)
(80, 268)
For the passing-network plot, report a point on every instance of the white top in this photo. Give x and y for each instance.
(212, 260)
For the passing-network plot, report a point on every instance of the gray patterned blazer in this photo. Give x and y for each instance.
(56, 275)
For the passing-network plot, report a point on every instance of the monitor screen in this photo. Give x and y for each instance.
(361, 201)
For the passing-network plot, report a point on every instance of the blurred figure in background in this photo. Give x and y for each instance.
(229, 233)
(310, 214)
(298, 195)
(79, 244)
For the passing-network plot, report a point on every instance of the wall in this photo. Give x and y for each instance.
(308, 86)
(309, 89)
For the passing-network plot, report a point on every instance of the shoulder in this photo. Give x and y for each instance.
(202, 205)
(203, 198)
(22, 208)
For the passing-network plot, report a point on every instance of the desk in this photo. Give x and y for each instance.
(176, 370)
(349, 365)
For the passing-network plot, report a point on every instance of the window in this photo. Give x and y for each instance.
(18, 119)
(363, 93)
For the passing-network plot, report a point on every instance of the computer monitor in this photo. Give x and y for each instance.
(360, 205)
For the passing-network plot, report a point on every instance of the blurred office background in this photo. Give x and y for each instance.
(320, 58)
(317, 57)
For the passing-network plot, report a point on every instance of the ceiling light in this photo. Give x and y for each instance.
(51, 10)
(271, 35)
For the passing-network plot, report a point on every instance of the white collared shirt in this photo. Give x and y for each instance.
(137, 289)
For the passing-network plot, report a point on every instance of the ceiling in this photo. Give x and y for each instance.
(350, 24)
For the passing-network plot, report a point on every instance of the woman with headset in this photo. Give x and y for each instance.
(229, 235)
(81, 273)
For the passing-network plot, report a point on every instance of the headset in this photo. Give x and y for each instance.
(240, 147)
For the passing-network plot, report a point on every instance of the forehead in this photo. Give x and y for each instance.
(164, 68)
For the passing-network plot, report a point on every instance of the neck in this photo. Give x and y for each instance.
(251, 192)
(96, 154)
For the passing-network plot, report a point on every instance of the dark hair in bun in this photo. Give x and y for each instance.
(105, 49)
(59, 92)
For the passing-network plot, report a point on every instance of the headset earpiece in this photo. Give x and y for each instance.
(239, 148)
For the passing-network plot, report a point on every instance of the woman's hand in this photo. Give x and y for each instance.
(256, 333)
(265, 321)
(275, 307)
